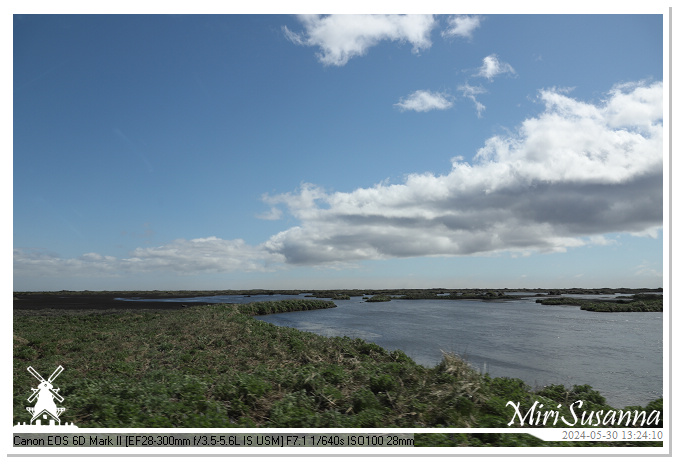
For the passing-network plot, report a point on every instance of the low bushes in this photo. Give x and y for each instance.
(216, 366)
(642, 302)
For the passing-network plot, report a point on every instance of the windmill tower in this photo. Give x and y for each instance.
(45, 407)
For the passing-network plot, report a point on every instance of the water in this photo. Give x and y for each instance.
(619, 354)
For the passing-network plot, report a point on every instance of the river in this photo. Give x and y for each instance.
(618, 354)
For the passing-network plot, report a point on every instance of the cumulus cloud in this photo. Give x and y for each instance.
(471, 92)
(563, 179)
(424, 100)
(342, 37)
(634, 105)
(492, 67)
(461, 26)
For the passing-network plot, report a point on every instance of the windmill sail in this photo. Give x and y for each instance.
(35, 373)
(55, 374)
(56, 395)
(34, 394)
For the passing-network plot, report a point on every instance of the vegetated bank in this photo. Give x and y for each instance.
(216, 366)
(640, 302)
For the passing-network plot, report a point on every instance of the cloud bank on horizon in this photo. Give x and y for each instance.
(563, 179)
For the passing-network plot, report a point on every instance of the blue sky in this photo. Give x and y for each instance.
(383, 151)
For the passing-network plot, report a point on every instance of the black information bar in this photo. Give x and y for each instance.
(142, 440)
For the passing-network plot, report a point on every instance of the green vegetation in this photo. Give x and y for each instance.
(217, 366)
(151, 294)
(262, 308)
(386, 295)
(640, 302)
(378, 299)
(457, 295)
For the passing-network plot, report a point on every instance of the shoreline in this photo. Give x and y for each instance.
(71, 302)
(216, 365)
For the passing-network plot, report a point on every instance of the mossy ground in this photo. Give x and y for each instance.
(216, 366)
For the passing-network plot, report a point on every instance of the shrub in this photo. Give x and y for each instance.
(363, 400)
(383, 383)
(378, 299)
(295, 410)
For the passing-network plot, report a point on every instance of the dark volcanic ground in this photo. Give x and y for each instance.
(105, 302)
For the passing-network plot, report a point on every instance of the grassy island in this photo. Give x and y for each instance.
(217, 366)
(378, 299)
(640, 302)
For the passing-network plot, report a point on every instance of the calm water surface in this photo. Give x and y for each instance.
(619, 354)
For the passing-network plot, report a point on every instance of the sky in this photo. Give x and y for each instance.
(337, 151)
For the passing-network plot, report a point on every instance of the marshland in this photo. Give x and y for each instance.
(193, 363)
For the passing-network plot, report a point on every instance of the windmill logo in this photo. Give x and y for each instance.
(45, 408)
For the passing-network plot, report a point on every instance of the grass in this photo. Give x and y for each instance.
(378, 299)
(640, 302)
(216, 366)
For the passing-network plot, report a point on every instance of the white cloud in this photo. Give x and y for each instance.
(209, 254)
(272, 215)
(634, 105)
(461, 26)
(342, 37)
(492, 67)
(564, 179)
(645, 269)
(201, 255)
(651, 232)
(40, 262)
(424, 100)
(471, 92)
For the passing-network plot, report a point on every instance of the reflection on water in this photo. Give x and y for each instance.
(619, 354)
